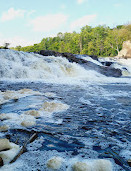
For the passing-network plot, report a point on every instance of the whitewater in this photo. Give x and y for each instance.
(81, 117)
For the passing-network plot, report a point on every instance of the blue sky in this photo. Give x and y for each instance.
(25, 22)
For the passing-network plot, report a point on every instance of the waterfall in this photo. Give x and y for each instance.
(21, 65)
(17, 65)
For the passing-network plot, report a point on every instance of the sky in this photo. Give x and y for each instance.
(26, 22)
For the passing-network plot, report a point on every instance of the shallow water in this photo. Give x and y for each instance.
(96, 124)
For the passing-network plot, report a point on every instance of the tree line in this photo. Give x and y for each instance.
(99, 40)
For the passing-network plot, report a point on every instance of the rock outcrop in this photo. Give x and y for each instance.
(71, 57)
(126, 50)
(105, 70)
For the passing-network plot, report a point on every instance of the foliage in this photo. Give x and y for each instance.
(100, 41)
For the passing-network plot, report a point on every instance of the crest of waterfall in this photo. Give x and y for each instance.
(15, 65)
(22, 65)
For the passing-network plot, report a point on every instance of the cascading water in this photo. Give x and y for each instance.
(24, 66)
(80, 116)
(21, 65)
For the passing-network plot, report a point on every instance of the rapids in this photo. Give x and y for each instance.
(79, 115)
(22, 66)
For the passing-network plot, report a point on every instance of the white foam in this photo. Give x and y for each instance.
(102, 165)
(12, 167)
(35, 145)
(126, 154)
(49, 107)
(88, 58)
(28, 123)
(35, 159)
(34, 113)
(15, 95)
(14, 119)
(81, 166)
(50, 94)
(4, 128)
(54, 163)
(29, 117)
(78, 164)
(126, 62)
(4, 144)
(8, 155)
(86, 101)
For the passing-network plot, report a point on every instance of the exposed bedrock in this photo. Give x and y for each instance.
(126, 50)
(105, 70)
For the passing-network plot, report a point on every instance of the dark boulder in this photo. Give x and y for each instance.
(94, 57)
(49, 53)
(107, 63)
(105, 70)
(71, 57)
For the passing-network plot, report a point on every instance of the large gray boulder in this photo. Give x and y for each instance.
(126, 50)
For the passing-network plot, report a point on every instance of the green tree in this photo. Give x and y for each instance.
(99, 40)
(18, 48)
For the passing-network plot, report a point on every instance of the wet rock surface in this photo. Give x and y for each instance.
(105, 70)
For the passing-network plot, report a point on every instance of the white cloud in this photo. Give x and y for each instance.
(29, 13)
(12, 14)
(49, 22)
(81, 1)
(85, 20)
